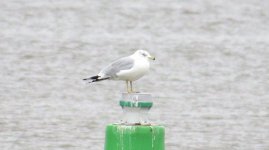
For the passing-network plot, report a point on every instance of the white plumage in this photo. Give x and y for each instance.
(129, 69)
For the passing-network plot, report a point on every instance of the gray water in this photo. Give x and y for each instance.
(210, 80)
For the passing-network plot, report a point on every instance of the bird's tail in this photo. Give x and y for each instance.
(95, 78)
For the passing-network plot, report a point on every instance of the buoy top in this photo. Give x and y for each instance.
(136, 97)
(141, 100)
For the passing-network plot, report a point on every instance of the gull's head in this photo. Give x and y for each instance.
(144, 54)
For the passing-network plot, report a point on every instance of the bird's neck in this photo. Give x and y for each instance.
(137, 56)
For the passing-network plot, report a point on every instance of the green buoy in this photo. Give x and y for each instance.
(135, 132)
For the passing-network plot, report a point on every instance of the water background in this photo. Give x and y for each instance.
(210, 80)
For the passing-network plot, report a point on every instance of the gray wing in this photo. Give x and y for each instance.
(124, 63)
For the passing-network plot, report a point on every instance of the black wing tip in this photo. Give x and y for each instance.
(97, 80)
(92, 78)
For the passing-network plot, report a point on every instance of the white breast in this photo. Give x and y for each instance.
(140, 68)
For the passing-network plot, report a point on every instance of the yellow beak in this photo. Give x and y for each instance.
(152, 57)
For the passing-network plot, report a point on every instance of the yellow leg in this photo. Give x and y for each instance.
(127, 85)
(131, 84)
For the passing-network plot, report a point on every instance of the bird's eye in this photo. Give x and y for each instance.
(144, 54)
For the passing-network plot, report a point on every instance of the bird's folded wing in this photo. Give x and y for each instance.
(111, 70)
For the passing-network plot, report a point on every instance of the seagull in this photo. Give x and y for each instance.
(128, 69)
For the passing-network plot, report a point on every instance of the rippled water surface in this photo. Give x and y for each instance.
(210, 81)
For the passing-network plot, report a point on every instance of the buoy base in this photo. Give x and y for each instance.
(134, 137)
